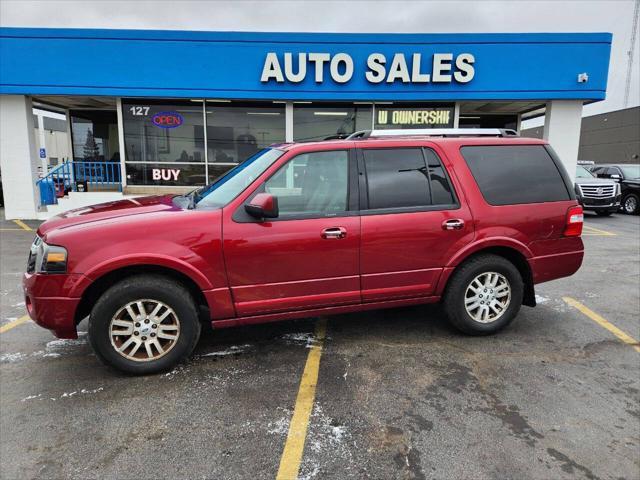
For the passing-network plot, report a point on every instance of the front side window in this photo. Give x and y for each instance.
(631, 171)
(515, 174)
(312, 183)
(582, 172)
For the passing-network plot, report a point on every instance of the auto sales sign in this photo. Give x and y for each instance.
(410, 69)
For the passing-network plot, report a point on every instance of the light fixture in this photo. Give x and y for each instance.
(215, 100)
(302, 102)
(332, 114)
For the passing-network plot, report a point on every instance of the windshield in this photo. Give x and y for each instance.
(630, 171)
(582, 172)
(231, 184)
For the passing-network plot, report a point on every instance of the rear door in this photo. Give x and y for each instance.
(412, 221)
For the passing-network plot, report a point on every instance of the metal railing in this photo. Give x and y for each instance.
(79, 176)
(434, 132)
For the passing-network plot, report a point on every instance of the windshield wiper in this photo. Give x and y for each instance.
(193, 197)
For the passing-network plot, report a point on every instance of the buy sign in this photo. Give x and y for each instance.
(165, 174)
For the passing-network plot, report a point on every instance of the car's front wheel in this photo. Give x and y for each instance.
(631, 204)
(144, 324)
(484, 295)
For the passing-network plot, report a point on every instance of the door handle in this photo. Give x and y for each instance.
(334, 233)
(453, 224)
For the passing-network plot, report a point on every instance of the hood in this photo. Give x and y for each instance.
(106, 211)
(595, 181)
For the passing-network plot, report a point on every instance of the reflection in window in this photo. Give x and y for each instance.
(95, 136)
(236, 131)
(312, 183)
(396, 177)
(163, 132)
(329, 121)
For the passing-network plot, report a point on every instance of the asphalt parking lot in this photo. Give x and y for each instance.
(399, 393)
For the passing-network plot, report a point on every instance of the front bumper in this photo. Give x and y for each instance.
(51, 303)
(610, 204)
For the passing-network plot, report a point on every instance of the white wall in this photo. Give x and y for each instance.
(56, 143)
(18, 157)
(562, 123)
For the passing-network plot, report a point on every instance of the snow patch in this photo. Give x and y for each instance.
(82, 391)
(541, 300)
(63, 343)
(279, 427)
(229, 351)
(12, 357)
(31, 397)
(307, 339)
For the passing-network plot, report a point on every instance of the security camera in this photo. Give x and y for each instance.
(583, 77)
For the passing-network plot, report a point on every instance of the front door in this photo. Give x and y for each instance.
(411, 224)
(308, 256)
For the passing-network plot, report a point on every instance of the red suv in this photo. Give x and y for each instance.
(307, 229)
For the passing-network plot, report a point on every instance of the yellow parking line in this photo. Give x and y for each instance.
(23, 225)
(596, 231)
(603, 323)
(294, 446)
(8, 326)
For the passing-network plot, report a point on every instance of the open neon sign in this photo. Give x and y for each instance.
(167, 119)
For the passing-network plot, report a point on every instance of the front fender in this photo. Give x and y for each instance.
(180, 259)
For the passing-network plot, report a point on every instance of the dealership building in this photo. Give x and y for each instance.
(164, 111)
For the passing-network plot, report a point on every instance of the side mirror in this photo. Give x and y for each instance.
(263, 205)
(615, 177)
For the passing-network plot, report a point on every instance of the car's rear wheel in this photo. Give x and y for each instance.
(484, 295)
(144, 324)
(631, 204)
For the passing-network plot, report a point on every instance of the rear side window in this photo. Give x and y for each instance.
(512, 174)
(405, 177)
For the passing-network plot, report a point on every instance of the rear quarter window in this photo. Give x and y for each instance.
(513, 174)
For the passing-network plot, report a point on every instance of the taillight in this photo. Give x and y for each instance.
(575, 219)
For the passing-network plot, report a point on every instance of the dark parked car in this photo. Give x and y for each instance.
(600, 195)
(377, 222)
(629, 178)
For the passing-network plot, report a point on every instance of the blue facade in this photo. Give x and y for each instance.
(181, 64)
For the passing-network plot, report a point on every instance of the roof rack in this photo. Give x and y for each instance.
(435, 132)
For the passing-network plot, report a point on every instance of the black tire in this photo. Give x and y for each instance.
(131, 289)
(454, 298)
(604, 213)
(631, 204)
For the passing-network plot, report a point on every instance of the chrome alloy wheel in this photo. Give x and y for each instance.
(144, 330)
(487, 297)
(630, 204)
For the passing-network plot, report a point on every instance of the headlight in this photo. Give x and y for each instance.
(45, 258)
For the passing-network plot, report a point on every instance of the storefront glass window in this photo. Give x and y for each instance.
(166, 141)
(236, 131)
(95, 136)
(321, 121)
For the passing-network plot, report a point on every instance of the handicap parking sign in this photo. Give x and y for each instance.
(43, 153)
